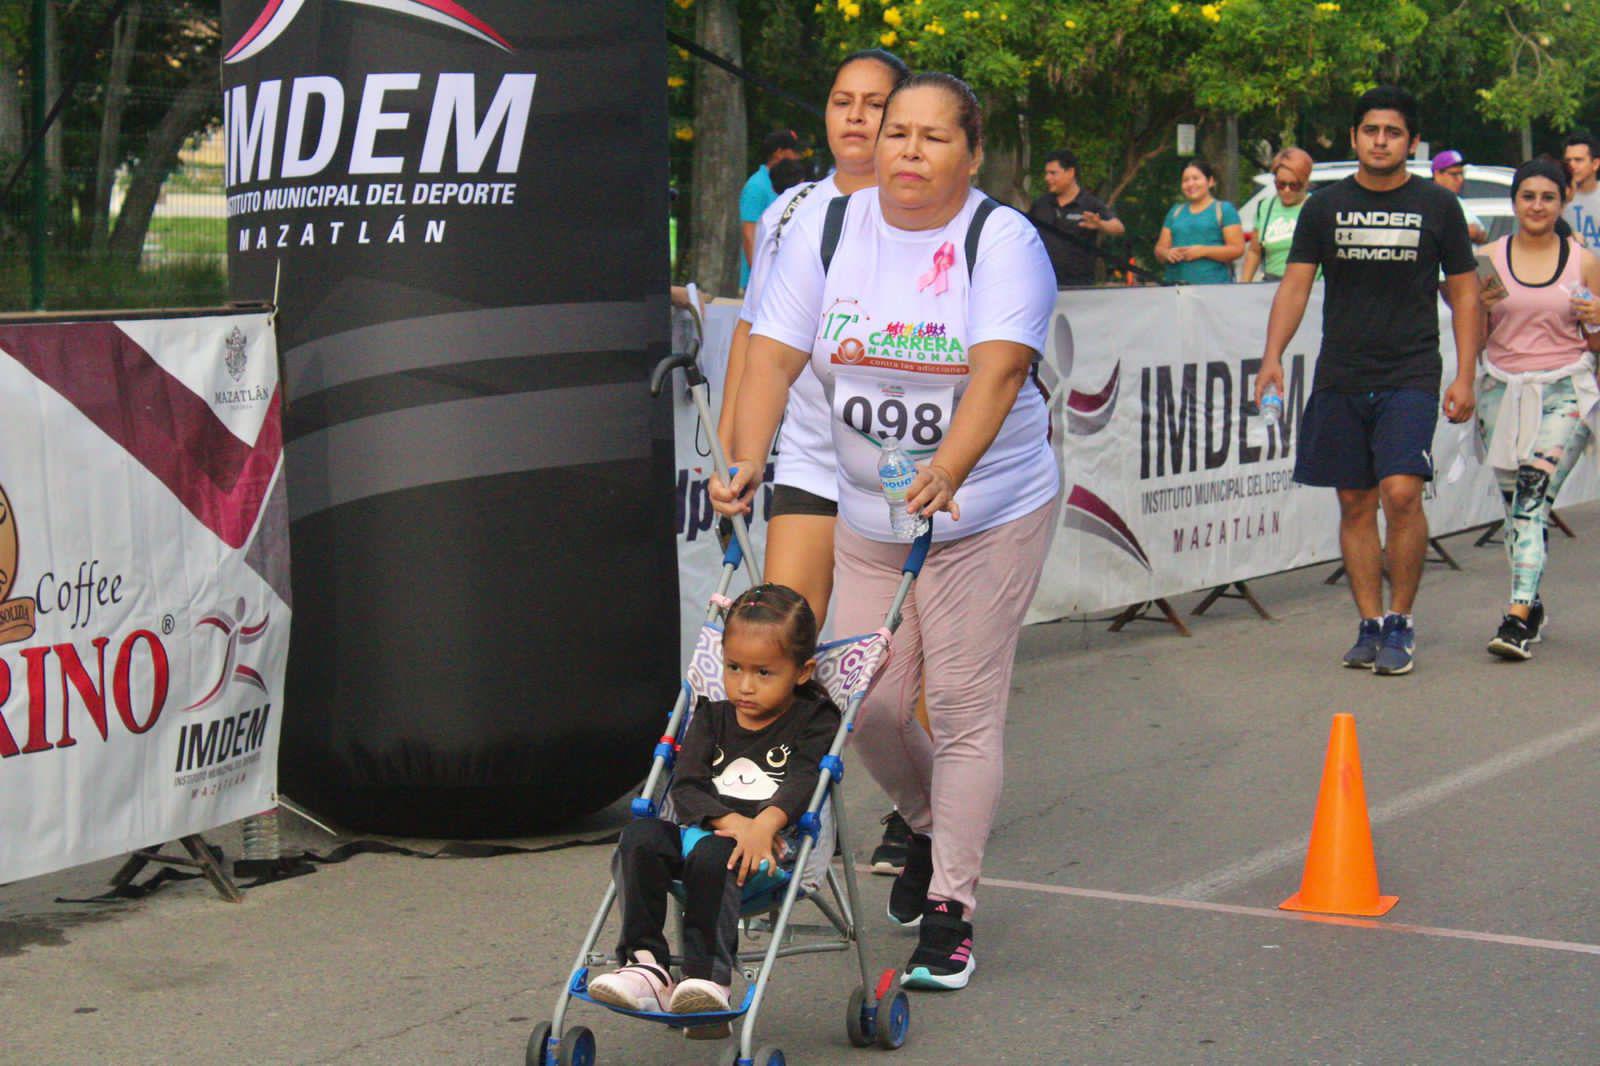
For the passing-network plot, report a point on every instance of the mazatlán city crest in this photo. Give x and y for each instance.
(16, 616)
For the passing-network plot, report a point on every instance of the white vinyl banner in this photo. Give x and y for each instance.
(144, 614)
(1170, 482)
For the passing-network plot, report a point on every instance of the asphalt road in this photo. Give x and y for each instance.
(1159, 795)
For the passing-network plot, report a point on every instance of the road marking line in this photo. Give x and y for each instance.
(1296, 916)
(1291, 851)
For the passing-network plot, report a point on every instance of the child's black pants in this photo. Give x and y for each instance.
(649, 858)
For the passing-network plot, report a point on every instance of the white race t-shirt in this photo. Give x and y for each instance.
(805, 441)
(1583, 215)
(892, 357)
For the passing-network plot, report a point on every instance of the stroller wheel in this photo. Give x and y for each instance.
(894, 1020)
(577, 1048)
(769, 1056)
(536, 1046)
(861, 1027)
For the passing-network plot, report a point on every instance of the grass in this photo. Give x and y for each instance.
(79, 283)
(187, 236)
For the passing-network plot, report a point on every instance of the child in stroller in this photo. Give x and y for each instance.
(745, 774)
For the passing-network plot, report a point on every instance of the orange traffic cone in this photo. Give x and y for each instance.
(1341, 875)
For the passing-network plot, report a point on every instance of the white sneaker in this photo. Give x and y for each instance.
(696, 995)
(640, 985)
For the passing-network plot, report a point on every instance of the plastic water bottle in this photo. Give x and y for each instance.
(896, 471)
(1581, 291)
(1272, 404)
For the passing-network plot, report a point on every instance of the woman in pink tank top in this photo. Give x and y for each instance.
(1537, 393)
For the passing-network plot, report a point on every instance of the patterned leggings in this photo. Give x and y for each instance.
(1530, 491)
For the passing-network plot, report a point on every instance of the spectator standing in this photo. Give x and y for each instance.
(1380, 238)
(1450, 170)
(785, 175)
(1582, 156)
(1202, 235)
(1071, 221)
(1275, 222)
(758, 193)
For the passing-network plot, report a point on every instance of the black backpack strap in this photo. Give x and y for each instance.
(975, 231)
(832, 229)
(788, 213)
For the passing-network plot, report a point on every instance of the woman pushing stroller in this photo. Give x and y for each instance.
(745, 774)
(920, 306)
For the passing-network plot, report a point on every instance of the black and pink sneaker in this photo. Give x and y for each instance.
(943, 959)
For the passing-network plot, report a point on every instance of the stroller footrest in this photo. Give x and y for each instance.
(676, 1021)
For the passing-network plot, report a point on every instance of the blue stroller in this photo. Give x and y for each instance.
(877, 1013)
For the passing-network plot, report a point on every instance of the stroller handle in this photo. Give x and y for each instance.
(734, 554)
(683, 360)
(919, 551)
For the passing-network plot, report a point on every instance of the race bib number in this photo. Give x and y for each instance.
(917, 415)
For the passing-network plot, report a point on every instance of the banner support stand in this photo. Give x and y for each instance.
(1221, 592)
(200, 858)
(1140, 612)
(1491, 532)
(1441, 556)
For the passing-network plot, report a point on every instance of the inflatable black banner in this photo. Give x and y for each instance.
(467, 202)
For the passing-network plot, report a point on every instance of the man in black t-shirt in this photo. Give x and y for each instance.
(1381, 237)
(1071, 220)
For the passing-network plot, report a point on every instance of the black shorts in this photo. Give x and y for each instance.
(1355, 440)
(786, 499)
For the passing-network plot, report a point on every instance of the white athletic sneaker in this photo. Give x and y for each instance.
(640, 985)
(696, 995)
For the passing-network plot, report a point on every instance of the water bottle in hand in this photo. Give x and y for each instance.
(1271, 404)
(897, 472)
(1580, 291)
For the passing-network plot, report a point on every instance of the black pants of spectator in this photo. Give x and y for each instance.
(649, 858)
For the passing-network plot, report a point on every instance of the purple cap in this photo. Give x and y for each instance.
(1447, 159)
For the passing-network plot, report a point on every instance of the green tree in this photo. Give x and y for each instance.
(1538, 55)
(167, 89)
(1112, 78)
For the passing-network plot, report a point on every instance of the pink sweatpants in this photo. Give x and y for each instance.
(960, 626)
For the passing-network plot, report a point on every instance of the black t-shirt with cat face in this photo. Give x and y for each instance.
(725, 768)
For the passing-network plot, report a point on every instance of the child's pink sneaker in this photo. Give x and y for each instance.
(640, 985)
(696, 995)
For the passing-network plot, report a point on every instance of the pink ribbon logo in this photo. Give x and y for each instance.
(943, 260)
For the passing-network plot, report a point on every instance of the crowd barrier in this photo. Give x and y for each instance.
(1170, 484)
(144, 603)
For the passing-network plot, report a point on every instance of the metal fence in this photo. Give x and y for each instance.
(120, 203)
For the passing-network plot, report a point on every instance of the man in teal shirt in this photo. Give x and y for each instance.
(758, 194)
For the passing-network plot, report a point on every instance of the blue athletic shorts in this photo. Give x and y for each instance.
(1353, 440)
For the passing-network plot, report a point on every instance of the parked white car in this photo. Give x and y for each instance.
(1487, 191)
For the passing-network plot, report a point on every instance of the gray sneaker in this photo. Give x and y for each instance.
(1364, 652)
